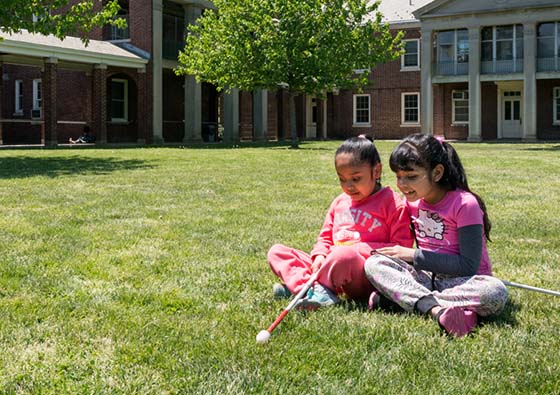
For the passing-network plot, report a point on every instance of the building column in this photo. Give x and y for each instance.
(426, 95)
(141, 135)
(99, 125)
(231, 116)
(157, 74)
(475, 107)
(49, 100)
(193, 91)
(260, 114)
(529, 119)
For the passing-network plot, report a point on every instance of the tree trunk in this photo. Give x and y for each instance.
(293, 126)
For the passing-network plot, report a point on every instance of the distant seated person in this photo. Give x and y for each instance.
(87, 137)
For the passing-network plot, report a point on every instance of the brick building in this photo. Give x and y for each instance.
(477, 69)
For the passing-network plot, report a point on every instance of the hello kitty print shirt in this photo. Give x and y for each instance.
(436, 225)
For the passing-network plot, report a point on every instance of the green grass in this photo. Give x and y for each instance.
(143, 271)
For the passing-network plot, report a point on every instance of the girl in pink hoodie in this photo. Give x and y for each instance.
(365, 217)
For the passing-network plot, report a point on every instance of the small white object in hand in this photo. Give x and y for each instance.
(263, 337)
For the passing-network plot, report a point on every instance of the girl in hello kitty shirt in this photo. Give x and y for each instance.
(449, 275)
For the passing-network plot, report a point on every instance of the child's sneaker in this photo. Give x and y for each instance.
(280, 291)
(457, 321)
(317, 296)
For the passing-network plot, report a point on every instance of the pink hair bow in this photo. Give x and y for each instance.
(440, 138)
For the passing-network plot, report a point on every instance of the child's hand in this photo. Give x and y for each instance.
(317, 263)
(404, 253)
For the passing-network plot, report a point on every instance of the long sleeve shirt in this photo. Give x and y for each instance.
(377, 221)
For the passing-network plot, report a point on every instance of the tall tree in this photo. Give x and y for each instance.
(57, 17)
(306, 46)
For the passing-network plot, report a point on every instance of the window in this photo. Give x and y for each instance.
(119, 100)
(502, 49)
(37, 99)
(361, 110)
(453, 52)
(18, 97)
(460, 107)
(410, 60)
(548, 46)
(556, 105)
(410, 109)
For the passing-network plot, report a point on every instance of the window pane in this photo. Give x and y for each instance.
(546, 29)
(545, 47)
(462, 46)
(411, 115)
(117, 90)
(516, 108)
(410, 60)
(504, 32)
(486, 49)
(446, 37)
(411, 54)
(507, 115)
(461, 114)
(504, 50)
(519, 49)
(117, 109)
(486, 34)
(445, 53)
(411, 47)
(518, 31)
(411, 101)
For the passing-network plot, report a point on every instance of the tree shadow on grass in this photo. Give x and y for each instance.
(281, 144)
(26, 166)
(549, 148)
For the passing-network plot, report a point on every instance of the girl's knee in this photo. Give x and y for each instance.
(374, 266)
(494, 297)
(275, 251)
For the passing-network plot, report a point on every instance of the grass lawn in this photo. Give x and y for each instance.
(143, 271)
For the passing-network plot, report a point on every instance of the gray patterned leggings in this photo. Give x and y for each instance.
(404, 285)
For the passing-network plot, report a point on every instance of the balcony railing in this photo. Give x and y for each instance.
(548, 64)
(501, 66)
(450, 68)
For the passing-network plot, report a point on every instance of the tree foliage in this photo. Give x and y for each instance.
(310, 46)
(57, 17)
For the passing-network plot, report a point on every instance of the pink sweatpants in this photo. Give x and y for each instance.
(342, 271)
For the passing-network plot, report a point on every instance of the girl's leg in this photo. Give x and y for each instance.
(291, 265)
(346, 273)
(398, 282)
(485, 295)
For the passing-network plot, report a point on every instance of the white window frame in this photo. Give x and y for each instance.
(411, 68)
(18, 99)
(125, 83)
(555, 100)
(409, 124)
(355, 122)
(37, 97)
(453, 104)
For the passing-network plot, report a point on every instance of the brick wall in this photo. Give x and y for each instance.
(387, 83)
(546, 129)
